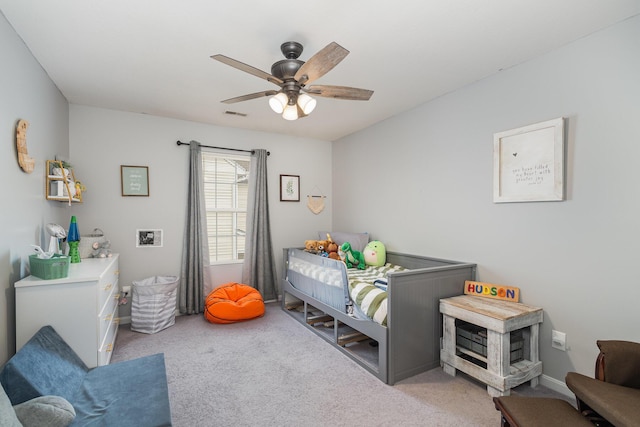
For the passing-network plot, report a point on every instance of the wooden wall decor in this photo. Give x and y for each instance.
(26, 163)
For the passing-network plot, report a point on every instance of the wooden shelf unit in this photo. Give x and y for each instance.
(499, 318)
(66, 179)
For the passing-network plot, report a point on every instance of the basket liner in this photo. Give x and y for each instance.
(87, 240)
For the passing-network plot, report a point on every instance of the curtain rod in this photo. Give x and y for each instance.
(221, 148)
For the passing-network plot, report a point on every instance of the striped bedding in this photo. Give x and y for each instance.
(371, 299)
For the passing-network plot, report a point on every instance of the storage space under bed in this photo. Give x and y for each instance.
(410, 343)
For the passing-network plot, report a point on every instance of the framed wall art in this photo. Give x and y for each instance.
(289, 188)
(528, 163)
(148, 238)
(134, 180)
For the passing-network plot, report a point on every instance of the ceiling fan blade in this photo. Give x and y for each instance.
(321, 63)
(249, 96)
(340, 92)
(248, 69)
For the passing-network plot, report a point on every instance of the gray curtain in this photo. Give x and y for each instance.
(195, 252)
(259, 270)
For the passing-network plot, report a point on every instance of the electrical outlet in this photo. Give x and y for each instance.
(559, 340)
(126, 290)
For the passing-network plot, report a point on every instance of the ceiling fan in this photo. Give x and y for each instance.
(293, 76)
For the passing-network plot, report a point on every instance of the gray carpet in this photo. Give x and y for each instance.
(272, 371)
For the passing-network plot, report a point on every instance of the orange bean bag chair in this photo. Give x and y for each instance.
(233, 302)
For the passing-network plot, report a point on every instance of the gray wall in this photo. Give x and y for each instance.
(102, 140)
(422, 183)
(27, 93)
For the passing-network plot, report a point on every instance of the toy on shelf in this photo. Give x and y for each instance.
(101, 249)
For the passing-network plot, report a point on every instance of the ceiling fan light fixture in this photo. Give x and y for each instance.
(293, 76)
(306, 103)
(290, 112)
(278, 102)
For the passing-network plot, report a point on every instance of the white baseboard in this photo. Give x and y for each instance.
(556, 385)
(125, 320)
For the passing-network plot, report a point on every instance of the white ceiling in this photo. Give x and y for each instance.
(153, 56)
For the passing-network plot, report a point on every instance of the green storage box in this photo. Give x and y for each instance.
(56, 267)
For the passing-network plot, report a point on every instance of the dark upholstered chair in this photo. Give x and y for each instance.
(520, 411)
(613, 396)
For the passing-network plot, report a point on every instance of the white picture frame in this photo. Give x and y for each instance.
(149, 238)
(528, 163)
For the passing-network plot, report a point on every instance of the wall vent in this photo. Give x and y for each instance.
(235, 113)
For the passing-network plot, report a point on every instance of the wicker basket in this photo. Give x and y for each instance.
(56, 267)
(87, 240)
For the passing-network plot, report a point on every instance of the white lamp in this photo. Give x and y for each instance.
(306, 103)
(281, 104)
(278, 102)
(290, 112)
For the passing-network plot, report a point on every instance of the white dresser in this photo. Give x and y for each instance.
(82, 308)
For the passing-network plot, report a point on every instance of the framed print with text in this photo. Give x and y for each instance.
(528, 163)
(134, 180)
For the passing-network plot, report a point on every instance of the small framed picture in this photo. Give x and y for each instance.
(289, 188)
(134, 180)
(147, 238)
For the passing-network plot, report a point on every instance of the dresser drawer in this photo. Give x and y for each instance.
(106, 348)
(107, 316)
(107, 285)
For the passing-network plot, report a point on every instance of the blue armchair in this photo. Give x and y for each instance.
(129, 393)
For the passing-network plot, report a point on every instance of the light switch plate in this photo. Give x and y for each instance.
(559, 340)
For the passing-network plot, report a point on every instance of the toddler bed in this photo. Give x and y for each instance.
(397, 344)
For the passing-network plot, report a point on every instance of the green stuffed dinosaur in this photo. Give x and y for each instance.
(352, 258)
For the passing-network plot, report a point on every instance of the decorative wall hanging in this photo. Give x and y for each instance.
(528, 163)
(289, 188)
(148, 238)
(26, 163)
(134, 180)
(315, 203)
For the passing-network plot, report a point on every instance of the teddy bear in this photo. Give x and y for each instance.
(322, 247)
(317, 247)
(332, 249)
(101, 250)
(311, 246)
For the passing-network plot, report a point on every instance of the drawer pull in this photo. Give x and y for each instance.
(108, 287)
(108, 318)
(110, 348)
(117, 296)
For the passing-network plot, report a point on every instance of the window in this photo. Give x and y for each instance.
(226, 188)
